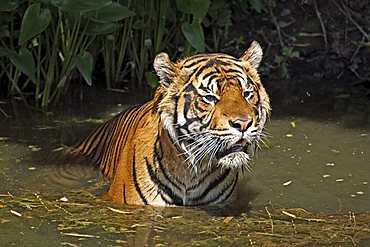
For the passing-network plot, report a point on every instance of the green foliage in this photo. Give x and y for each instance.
(84, 63)
(24, 62)
(219, 20)
(35, 21)
(287, 53)
(193, 13)
(80, 5)
(9, 5)
(256, 5)
(54, 43)
(45, 44)
(194, 35)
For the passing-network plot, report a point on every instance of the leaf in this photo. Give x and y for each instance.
(218, 4)
(84, 64)
(256, 5)
(151, 79)
(34, 22)
(24, 62)
(194, 35)
(80, 5)
(102, 28)
(8, 5)
(110, 13)
(198, 8)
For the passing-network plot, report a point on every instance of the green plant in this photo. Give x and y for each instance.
(46, 44)
(282, 61)
(131, 48)
(53, 43)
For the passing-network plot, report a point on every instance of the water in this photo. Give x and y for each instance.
(314, 160)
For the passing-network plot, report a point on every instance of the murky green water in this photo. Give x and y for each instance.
(317, 163)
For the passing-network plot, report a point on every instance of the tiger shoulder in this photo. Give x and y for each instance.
(190, 143)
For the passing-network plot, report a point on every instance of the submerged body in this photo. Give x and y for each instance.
(188, 144)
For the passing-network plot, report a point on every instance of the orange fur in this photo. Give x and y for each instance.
(188, 144)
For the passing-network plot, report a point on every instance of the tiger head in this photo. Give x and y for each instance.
(213, 106)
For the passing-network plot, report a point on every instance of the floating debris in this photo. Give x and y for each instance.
(339, 180)
(289, 135)
(228, 219)
(119, 211)
(329, 164)
(31, 168)
(359, 192)
(63, 199)
(72, 234)
(287, 183)
(34, 148)
(335, 151)
(292, 124)
(93, 120)
(363, 135)
(326, 176)
(16, 213)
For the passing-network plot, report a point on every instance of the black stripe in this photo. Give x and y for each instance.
(204, 88)
(212, 185)
(124, 194)
(178, 184)
(163, 188)
(114, 141)
(209, 74)
(175, 117)
(136, 183)
(197, 107)
(163, 170)
(127, 120)
(200, 181)
(213, 76)
(216, 62)
(233, 71)
(223, 191)
(201, 69)
(237, 65)
(195, 62)
(219, 81)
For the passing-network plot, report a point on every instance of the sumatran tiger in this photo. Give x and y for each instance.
(191, 142)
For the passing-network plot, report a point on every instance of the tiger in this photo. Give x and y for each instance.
(190, 144)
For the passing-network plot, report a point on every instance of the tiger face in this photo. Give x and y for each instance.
(213, 107)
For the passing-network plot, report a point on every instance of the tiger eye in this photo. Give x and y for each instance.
(248, 95)
(209, 99)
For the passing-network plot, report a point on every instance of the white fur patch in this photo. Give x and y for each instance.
(235, 161)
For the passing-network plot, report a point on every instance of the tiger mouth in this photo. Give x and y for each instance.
(240, 146)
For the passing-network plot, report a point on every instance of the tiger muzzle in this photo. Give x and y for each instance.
(240, 146)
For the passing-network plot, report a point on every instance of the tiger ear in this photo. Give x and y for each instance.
(253, 55)
(165, 69)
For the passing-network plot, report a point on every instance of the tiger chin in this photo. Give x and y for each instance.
(190, 143)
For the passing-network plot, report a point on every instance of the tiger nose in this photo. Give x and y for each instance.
(241, 124)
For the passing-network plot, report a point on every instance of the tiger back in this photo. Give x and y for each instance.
(189, 144)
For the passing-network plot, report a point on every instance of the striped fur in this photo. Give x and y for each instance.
(189, 144)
